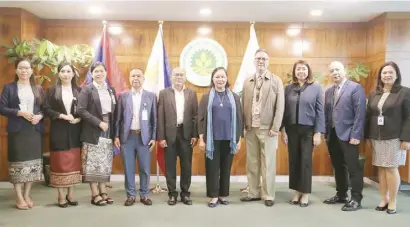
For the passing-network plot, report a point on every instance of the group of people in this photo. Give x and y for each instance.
(90, 124)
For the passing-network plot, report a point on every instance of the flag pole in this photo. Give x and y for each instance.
(246, 189)
(157, 188)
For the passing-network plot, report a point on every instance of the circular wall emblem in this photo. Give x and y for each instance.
(199, 58)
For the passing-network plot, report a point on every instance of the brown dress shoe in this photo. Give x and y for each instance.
(130, 201)
(146, 201)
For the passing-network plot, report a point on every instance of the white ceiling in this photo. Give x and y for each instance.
(259, 11)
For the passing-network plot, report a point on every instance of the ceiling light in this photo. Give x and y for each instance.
(293, 32)
(316, 12)
(95, 10)
(205, 11)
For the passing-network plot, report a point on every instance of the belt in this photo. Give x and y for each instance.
(135, 131)
(180, 125)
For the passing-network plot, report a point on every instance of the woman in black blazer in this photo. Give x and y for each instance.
(96, 107)
(302, 129)
(65, 145)
(388, 131)
(220, 130)
(21, 102)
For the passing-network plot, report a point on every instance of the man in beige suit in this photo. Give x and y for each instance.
(263, 107)
(177, 133)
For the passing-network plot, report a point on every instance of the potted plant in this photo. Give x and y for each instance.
(46, 56)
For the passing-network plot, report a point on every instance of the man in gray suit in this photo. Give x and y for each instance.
(135, 133)
(177, 133)
(345, 110)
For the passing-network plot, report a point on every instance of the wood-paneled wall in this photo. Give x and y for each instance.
(347, 42)
(398, 50)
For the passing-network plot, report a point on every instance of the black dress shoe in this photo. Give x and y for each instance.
(352, 206)
(172, 201)
(293, 202)
(391, 211)
(223, 201)
(381, 208)
(249, 199)
(269, 203)
(336, 199)
(303, 204)
(212, 205)
(186, 200)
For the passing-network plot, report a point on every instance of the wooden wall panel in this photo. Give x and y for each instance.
(324, 42)
(132, 48)
(14, 23)
(398, 50)
(10, 27)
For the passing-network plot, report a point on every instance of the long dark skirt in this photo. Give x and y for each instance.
(97, 159)
(25, 155)
(65, 168)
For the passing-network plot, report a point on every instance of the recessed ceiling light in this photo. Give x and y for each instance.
(316, 12)
(205, 11)
(95, 10)
(204, 30)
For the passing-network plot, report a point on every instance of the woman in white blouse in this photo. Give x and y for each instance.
(96, 107)
(21, 102)
(65, 155)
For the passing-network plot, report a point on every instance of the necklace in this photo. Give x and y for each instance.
(221, 100)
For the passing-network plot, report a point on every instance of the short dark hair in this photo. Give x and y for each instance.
(396, 68)
(213, 74)
(96, 64)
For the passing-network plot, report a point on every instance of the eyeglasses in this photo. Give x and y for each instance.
(261, 59)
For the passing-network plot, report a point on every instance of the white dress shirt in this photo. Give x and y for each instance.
(26, 97)
(67, 96)
(180, 104)
(136, 104)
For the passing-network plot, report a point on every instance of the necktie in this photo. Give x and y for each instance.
(336, 94)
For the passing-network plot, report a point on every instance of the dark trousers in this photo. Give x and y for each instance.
(218, 170)
(345, 160)
(300, 148)
(179, 148)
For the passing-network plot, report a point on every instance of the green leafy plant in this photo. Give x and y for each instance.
(46, 56)
(358, 70)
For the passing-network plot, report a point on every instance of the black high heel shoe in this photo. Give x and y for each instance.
(381, 208)
(71, 203)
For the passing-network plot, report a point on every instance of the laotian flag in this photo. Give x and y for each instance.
(104, 54)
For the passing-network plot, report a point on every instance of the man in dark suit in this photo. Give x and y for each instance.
(177, 133)
(135, 133)
(345, 110)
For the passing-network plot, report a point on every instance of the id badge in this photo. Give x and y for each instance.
(145, 115)
(380, 120)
